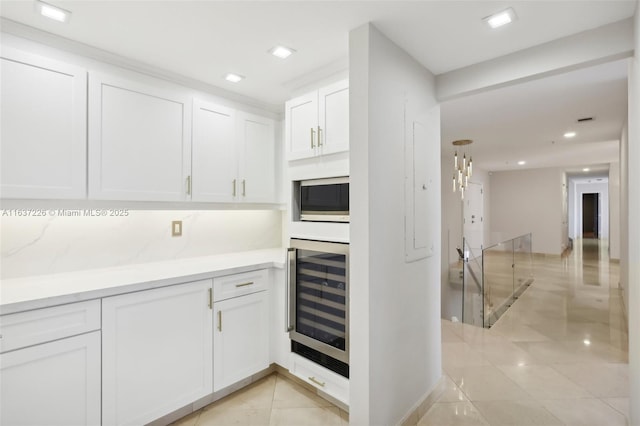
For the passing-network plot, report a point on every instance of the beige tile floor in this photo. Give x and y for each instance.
(558, 356)
(272, 401)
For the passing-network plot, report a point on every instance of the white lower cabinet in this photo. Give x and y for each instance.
(325, 380)
(157, 352)
(241, 338)
(55, 383)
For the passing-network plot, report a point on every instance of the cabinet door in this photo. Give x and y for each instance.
(333, 115)
(241, 338)
(139, 141)
(257, 166)
(43, 113)
(215, 158)
(301, 120)
(56, 383)
(157, 351)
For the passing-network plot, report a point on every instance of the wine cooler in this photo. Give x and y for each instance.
(319, 302)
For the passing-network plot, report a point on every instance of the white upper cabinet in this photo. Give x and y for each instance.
(139, 140)
(233, 155)
(301, 121)
(318, 123)
(43, 110)
(257, 173)
(333, 116)
(215, 157)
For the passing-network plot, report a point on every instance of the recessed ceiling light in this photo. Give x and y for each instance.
(501, 18)
(52, 12)
(586, 169)
(570, 135)
(282, 52)
(233, 78)
(521, 163)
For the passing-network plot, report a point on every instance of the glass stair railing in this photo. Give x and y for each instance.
(492, 281)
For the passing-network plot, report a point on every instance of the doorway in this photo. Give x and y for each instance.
(473, 221)
(590, 215)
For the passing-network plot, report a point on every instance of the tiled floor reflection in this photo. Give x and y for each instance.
(272, 401)
(558, 356)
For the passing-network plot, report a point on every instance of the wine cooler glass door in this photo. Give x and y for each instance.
(321, 300)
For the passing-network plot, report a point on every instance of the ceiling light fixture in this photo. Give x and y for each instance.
(569, 135)
(521, 163)
(462, 169)
(282, 52)
(501, 18)
(52, 12)
(586, 169)
(233, 78)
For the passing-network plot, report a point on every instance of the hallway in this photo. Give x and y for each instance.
(558, 356)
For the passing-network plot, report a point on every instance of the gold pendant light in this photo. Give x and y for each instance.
(462, 169)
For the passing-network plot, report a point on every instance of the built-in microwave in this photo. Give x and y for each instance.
(325, 200)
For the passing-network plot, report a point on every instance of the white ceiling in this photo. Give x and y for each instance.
(203, 40)
(527, 121)
(206, 39)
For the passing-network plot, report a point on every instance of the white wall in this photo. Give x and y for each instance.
(451, 237)
(526, 201)
(633, 284)
(396, 348)
(57, 243)
(624, 212)
(451, 233)
(614, 210)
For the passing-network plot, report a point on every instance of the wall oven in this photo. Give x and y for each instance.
(319, 302)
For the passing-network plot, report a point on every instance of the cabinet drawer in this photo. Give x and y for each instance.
(44, 325)
(240, 284)
(325, 380)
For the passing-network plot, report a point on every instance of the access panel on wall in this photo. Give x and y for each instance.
(422, 182)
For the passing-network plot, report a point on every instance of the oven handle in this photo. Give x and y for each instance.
(290, 291)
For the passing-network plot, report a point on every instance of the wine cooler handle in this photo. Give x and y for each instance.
(290, 290)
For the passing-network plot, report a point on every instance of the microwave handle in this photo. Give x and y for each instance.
(290, 290)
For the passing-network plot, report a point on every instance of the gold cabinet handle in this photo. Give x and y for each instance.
(220, 321)
(244, 187)
(312, 133)
(319, 136)
(234, 187)
(244, 284)
(210, 298)
(189, 185)
(317, 382)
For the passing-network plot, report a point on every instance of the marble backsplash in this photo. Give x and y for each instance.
(57, 243)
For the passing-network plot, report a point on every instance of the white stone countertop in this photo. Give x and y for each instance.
(26, 293)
